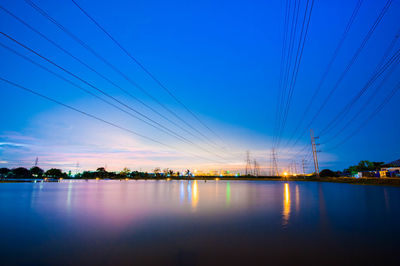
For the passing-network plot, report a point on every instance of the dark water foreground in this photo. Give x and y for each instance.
(198, 223)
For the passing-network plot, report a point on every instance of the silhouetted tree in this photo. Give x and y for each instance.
(54, 173)
(4, 172)
(21, 172)
(101, 172)
(88, 175)
(134, 174)
(364, 166)
(37, 171)
(327, 173)
(157, 171)
(125, 172)
(165, 171)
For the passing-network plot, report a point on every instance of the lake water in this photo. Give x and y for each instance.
(198, 223)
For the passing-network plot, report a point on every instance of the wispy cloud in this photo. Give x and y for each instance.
(11, 144)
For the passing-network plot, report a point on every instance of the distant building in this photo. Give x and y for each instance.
(392, 169)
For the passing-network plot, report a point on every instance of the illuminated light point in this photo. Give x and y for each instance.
(216, 179)
(126, 179)
(285, 173)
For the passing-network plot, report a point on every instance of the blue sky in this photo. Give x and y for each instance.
(222, 59)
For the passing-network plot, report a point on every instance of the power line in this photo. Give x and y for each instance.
(369, 100)
(291, 73)
(328, 67)
(94, 117)
(369, 118)
(283, 59)
(95, 71)
(87, 47)
(285, 63)
(348, 66)
(158, 127)
(354, 58)
(152, 76)
(78, 86)
(392, 63)
(287, 66)
(381, 67)
(299, 55)
(97, 89)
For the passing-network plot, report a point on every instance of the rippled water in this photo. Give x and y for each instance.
(198, 223)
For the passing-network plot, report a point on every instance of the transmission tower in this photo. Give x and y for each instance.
(314, 150)
(275, 171)
(256, 168)
(271, 166)
(248, 163)
(77, 168)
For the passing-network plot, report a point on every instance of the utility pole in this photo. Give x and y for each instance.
(36, 161)
(314, 150)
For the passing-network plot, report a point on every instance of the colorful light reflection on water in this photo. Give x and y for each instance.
(196, 222)
(286, 205)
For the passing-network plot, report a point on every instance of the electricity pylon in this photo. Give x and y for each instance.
(314, 150)
(248, 164)
(256, 168)
(275, 171)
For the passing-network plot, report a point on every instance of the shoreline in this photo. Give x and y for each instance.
(345, 180)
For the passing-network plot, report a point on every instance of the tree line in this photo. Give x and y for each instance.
(101, 172)
(362, 166)
(34, 172)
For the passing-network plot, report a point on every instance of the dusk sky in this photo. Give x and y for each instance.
(222, 59)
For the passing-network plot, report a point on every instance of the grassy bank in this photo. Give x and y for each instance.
(348, 180)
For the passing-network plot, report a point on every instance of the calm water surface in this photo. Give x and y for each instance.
(198, 223)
